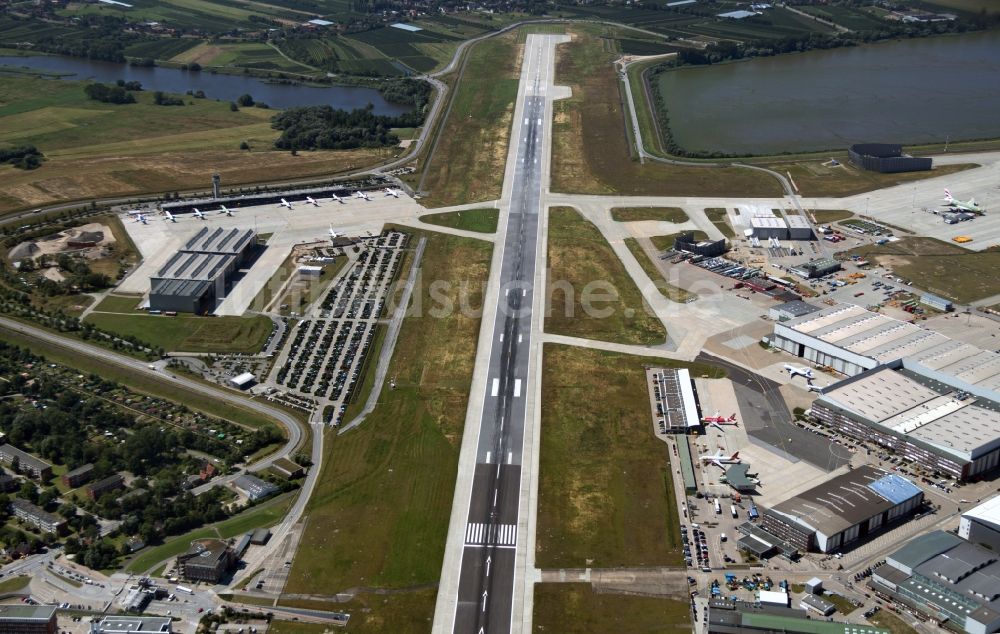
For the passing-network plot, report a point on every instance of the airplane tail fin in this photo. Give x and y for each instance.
(733, 417)
(735, 456)
(947, 195)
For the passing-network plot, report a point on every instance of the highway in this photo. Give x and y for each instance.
(293, 428)
(487, 575)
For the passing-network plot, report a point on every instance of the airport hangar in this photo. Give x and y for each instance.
(842, 510)
(981, 524)
(201, 272)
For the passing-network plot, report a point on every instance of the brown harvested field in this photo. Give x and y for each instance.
(202, 54)
(575, 608)
(467, 164)
(589, 293)
(590, 152)
(813, 178)
(605, 493)
(942, 268)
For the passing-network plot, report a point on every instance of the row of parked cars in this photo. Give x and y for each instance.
(700, 544)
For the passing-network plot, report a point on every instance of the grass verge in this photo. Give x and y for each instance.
(891, 622)
(118, 304)
(14, 584)
(596, 297)
(401, 613)
(717, 215)
(379, 514)
(189, 333)
(671, 292)
(574, 608)
(605, 497)
(662, 243)
(481, 220)
(634, 214)
(826, 216)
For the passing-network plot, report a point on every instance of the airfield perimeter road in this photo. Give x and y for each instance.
(293, 427)
(488, 529)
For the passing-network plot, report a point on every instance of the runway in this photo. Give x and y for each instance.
(486, 585)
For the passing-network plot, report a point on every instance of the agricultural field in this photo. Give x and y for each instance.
(379, 515)
(96, 149)
(205, 16)
(582, 262)
(466, 162)
(939, 267)
(599, 162)
(163, 48)
(422, 50)
(605, 497)
(847, 17)
(187, 333)
(575, 608)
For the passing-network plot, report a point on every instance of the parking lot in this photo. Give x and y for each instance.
(323, 362)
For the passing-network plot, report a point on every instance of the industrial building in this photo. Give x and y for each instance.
(886, 158)
(851, 339)
(709, 248)
(937, 303)
(766, 224)
(791, 310)
(132, 625)
(254, 488)
(28, 619)
(726, 616)
(201, 272)
(941, 422)
(243, 381)
(981, 524)
(946, 578)
(843, 510)
(815, 268)
(206, 560)
(675, 409)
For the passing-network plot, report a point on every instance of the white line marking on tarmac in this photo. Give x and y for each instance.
(496, 387)
(510, 457)
(488, 453)
(501, 337)
(517, 388)
(519, 338)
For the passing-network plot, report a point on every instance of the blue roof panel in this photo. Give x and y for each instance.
(894, 488)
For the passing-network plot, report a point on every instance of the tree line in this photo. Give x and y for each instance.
(327, 128)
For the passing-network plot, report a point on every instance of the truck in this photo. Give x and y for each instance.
(718, 507)
(732, 509)
(752, 513)
(185, 589)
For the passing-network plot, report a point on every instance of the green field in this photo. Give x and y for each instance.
(481, 220)
(813, 178)
(671, 292)
(826, 216)
(188, 333)
(97, 149)
(718, 217)
(574, 608)
(67, 355)
(940, 267)
(590, 155)
(264, 515)
(888, 620)
(379, 514)
(468, 158)
(407, 612)
(581, 263)
(605, 497)
(634, 214)
(118, 304)
(14, 584)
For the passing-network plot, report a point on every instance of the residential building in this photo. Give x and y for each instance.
(28, 619)
(36, 516)
(113, 482)
(78, 476)
(26, 463)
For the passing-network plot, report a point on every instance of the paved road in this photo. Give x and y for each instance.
(486, 581)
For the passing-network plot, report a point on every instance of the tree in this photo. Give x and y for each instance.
(244, 145)
(233, 107)
(245, 100)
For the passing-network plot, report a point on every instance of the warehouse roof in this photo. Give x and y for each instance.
(767, 222)
(796, 308)
(988, 512)
(195, 266)
(179, 287)
(925, 547)
(27, 612)
(798, 222)
(778, 623)
(219, 241)
(846, 500)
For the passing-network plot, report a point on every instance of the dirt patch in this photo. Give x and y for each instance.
(202, 54)
(93, 237)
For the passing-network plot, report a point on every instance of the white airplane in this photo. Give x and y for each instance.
(362, 195)
(816, 388)
(719, 458)
(803, 372)
(721, 420)
(198, 214)
(968, 205)
(170, 216)
(311, 201)
(141, 218)
(285, 203)
(225, 210)
(333, 234)
(389, 191)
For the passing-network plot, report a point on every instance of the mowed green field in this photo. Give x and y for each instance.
(605, 497)
(379, 515)
(481, 220)
(590, 150)
(671, 292)
(187, 333)
(589, 293)
(470, 153)
(575, 608)
(634, 214)
(97, 149)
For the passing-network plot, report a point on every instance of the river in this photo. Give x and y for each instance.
(215, 85)
(925, 90)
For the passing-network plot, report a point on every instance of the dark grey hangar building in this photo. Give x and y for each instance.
(201, 272)
(886, 158)
(843, 510)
